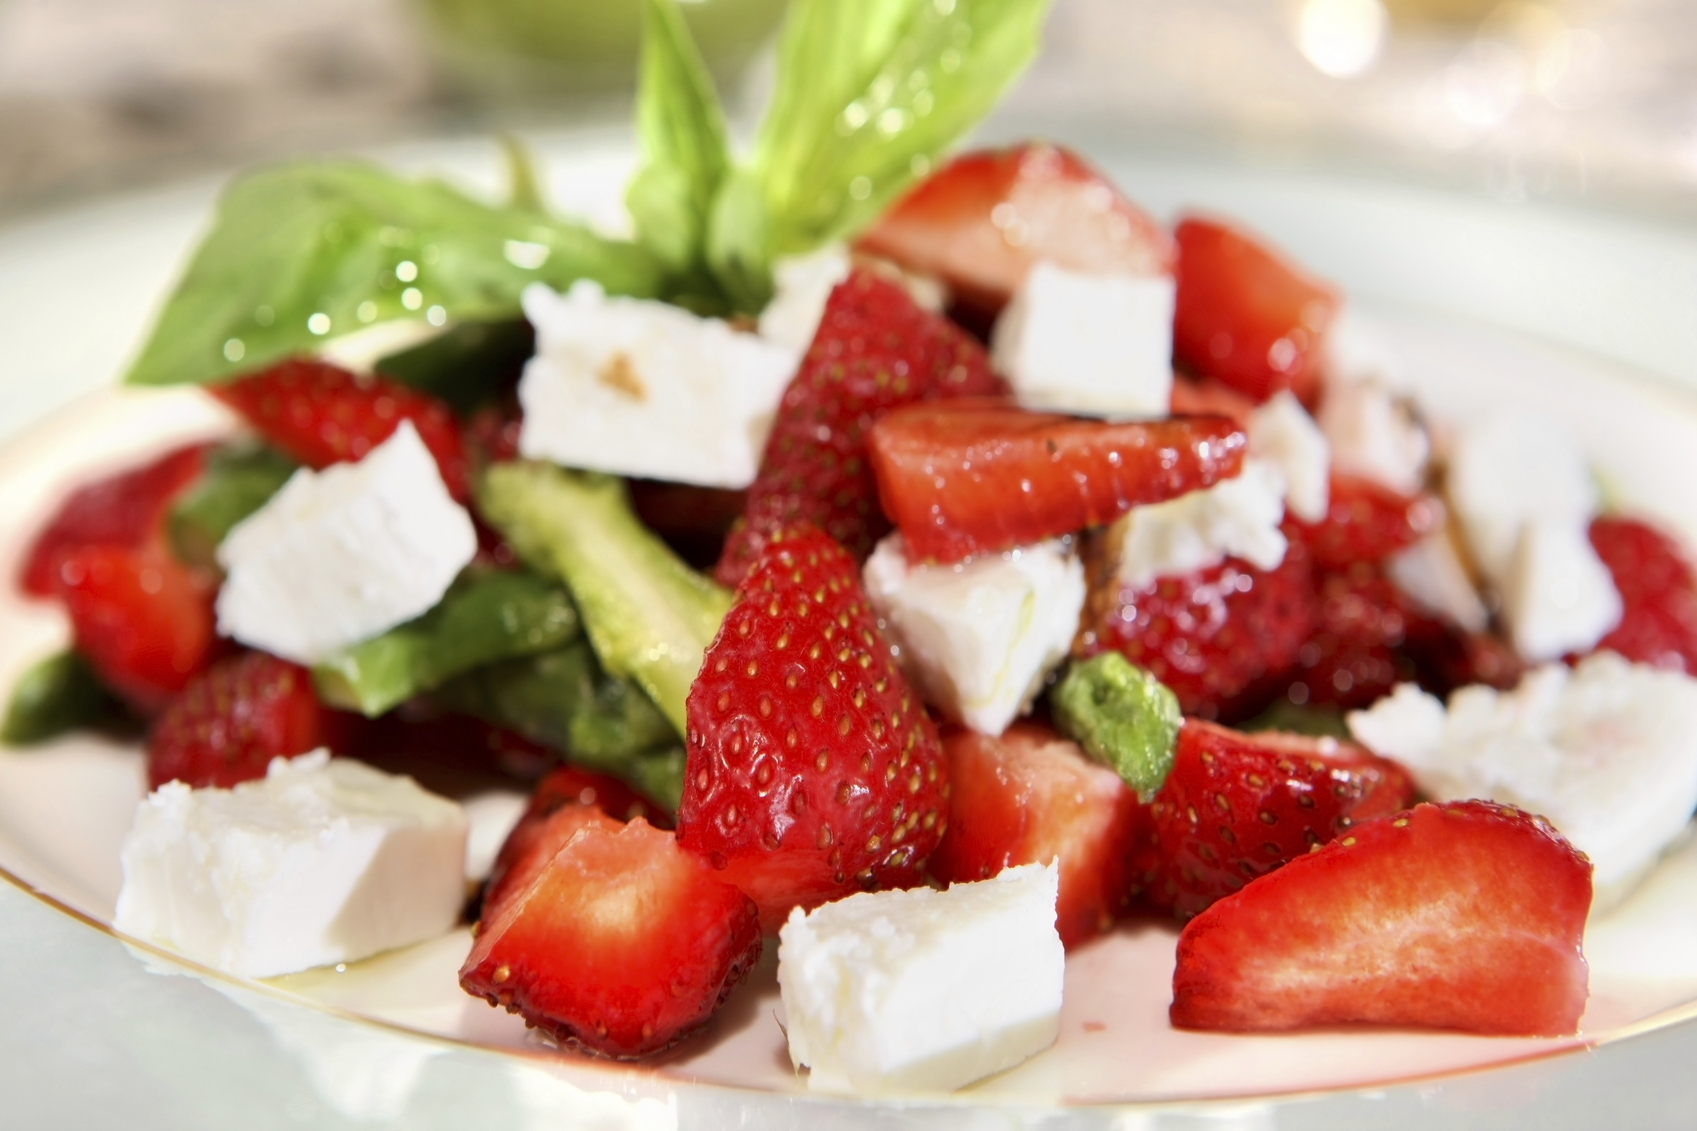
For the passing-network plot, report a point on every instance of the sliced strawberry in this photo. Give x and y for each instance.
(234, 718)
(621, 945)
(813, 770)
(1030, 797)
(1219, 637)
(1236, 806)
(1245, 316)
(1367, 522)
(1208, 397)
(142, 619)
(875, 350)
(1354, 656)
(1658, 623)
(979, 476)
(123, 510)
(1460, 916)
(982, 220)
(321, 415)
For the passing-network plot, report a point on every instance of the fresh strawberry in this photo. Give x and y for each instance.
(980, 223)
(234, 718)
(1366, 522)
(1460, 916)
(1354, 656)
(1446, 657)
(1208, 397)
(1658, 623)
(1245, 316)
(321, 415)
(142, 619)
(1236, 806)
(123, 510)
(1031, 796)
(622, 944)
(690, 519)
(813, 770)
(977, 476)
(875, 350)
(1218, 637)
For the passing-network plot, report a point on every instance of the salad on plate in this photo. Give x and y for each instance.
(925, 565)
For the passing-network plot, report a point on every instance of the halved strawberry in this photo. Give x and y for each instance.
(1658, 623)
(622, 944)
(1236, 806)
(123, 510)
(1366, 522)
(234, 718)
(982, 220)
(813, 770)
(875, 350)
(1030, 797)
(1245, 316)
(978, 476)
(321, 414)
(1461, 916)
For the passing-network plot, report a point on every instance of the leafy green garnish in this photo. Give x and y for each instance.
(54, 695)
(1122, 716)
(238, 479)
(312, 250)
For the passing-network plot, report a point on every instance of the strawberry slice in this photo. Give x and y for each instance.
(875, 350)
(1236, 806)
(979, 476)
(1658, 623)
(234, 718)
(320, 414)
(813, 770)
(1366, 522)
(981, 221)
(124, 510)
(621, 944)
(1461, 916)
(1245, 316)
(1030, 797)
(1218, 637)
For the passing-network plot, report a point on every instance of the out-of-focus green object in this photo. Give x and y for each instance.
(1122, 716)
(526, 50)
(54, 695)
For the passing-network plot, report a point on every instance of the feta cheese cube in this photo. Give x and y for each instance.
(978, 638)
(1511, 469)
(638, 387)
(1237, 518)
(1607, 751)
(921, 990)
(1101, 344)
(1558, 596)
(803, 284)
(1375, 435)
(343, 554)
(1282, 433)
(1431, 572)
(323, 861)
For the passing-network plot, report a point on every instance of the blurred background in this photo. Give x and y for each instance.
(1522, 99)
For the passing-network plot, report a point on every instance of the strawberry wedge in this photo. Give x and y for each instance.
(979, 476)
(1460, 916)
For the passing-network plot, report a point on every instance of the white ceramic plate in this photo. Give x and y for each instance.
(64, 809)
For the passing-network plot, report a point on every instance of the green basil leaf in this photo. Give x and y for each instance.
(312, 250)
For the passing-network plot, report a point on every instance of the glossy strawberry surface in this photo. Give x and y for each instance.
(1366, 522)
(1355, 654)
(1658, 623)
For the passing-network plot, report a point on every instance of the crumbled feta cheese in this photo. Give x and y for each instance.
(1607, 751)
(1102, 344)
(1282, 433)
(1509, 470)
(979, 637)
(638, 387)
(921, 990)
(1375, 435)
(325, 860)
(343, 554)
(1431, 572)
(803, 284)
(1558, 596)
(1237, 518)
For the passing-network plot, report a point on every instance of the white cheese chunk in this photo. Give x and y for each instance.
(325, 860)
(921, 990)
(1606, 751)
(1100, 344)
(978, 638)
(803, 284)
(1558, 596)
(343, 554)
(1237, 518)
(1432, 573)
(1508, 470)
(638, 387)
(1282, 433)
(1374, 434)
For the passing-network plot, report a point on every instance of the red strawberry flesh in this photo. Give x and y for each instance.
(1658, 623)
(1366, 522)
